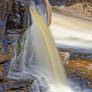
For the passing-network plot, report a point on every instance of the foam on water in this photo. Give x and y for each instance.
(60, 88)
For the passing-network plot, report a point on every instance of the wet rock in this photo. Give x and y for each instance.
(78, 69)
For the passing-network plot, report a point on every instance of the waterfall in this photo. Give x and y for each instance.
(39, 59)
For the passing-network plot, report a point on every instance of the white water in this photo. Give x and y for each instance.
(47, 60)
(71, 33)
(39, 60)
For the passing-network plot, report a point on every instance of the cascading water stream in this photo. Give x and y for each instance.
(47, 61)
(39, 60)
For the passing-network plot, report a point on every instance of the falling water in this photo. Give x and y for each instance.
(39, 60)
(47, 61)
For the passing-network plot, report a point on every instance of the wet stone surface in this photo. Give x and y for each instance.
(12, 16)
(14, 21)
(78, 69)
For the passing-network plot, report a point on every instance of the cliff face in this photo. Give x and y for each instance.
(77, 8)
(12, 27)
(67, 2)
(4, 8)
(14, 21)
